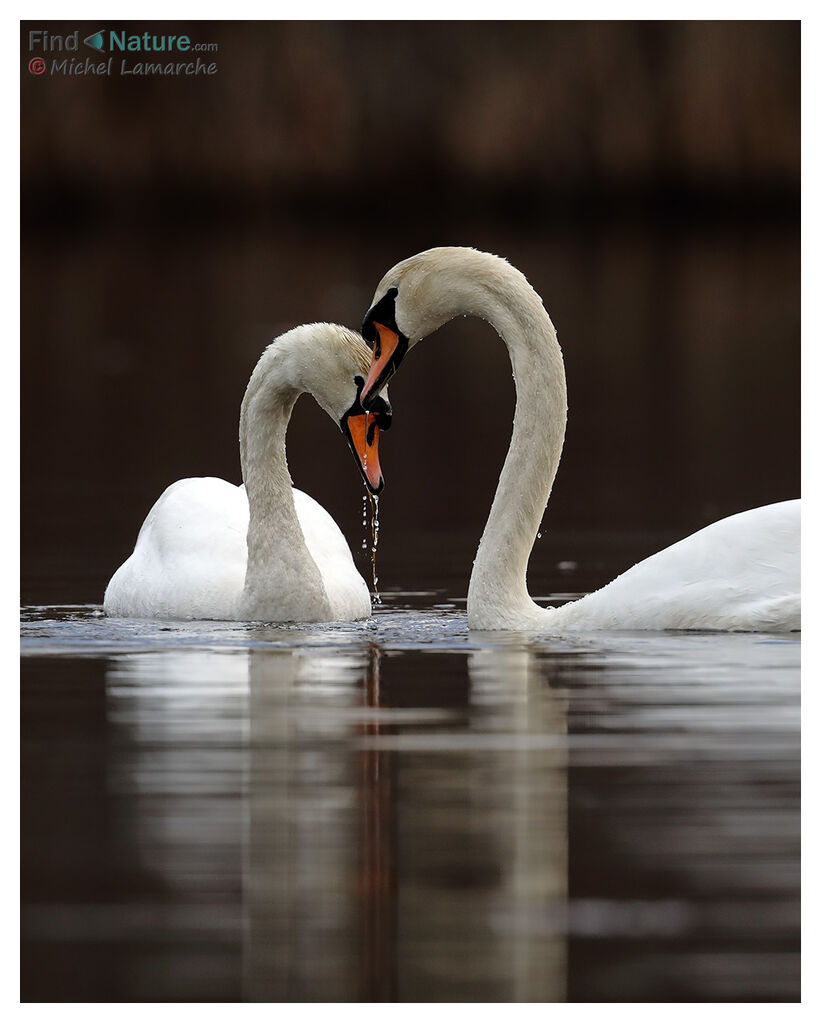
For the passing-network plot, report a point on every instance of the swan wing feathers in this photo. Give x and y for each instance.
(346, 589)
(190, 556)
(741, 573)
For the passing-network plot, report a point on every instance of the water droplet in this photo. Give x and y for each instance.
(374, 505)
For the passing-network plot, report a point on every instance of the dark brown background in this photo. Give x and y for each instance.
(645, 177)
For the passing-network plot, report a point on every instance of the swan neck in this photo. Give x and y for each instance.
(282, 579)
(497, 595)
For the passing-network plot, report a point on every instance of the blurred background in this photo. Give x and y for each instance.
(644, 176)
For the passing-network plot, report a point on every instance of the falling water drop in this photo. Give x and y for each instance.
(374, 544)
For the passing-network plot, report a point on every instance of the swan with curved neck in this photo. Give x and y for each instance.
(263, 551)
(742, 572)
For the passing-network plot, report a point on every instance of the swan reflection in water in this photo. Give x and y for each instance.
(399, 841)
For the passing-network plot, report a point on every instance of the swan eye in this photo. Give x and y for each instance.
(382, 312)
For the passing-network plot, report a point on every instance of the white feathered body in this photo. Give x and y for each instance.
(742, 573)
(191, 555)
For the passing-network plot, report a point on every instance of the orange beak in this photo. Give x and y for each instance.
(383, 363)
(363, 434)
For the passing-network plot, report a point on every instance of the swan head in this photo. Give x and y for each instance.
(415, 298)
(335, 375)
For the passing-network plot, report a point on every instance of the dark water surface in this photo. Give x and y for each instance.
(405, 810)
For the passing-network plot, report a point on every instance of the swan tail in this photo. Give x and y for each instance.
(780, 614)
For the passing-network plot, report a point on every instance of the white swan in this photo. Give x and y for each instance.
(741, 573)
(263, 551)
